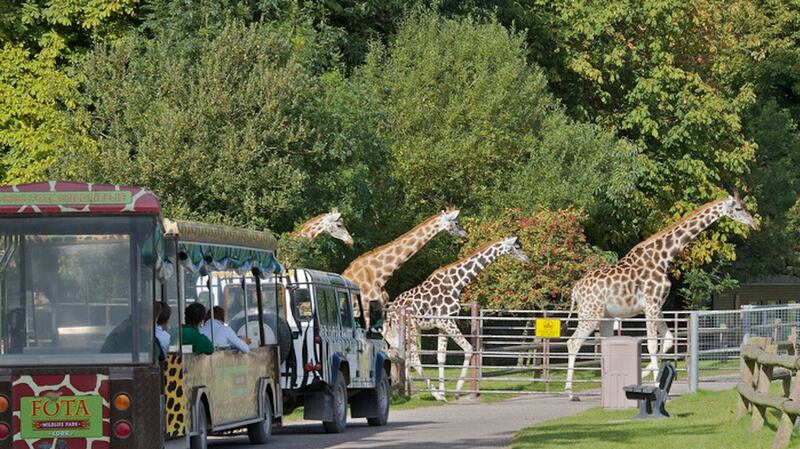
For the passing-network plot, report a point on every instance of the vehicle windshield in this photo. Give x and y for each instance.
(76, 290)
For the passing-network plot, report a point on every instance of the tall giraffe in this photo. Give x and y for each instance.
(438, 296)
(330, 223)
(373, 269)
(639, 282)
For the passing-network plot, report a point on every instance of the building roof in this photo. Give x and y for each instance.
(779, 279)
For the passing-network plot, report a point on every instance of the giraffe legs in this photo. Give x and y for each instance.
(441, 358)
(414, 362)
(584, 329)
(665, 333)
(652, 343)
(450, 329)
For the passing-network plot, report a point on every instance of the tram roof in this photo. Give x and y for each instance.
(64, 197)
(191, 231)
(303, 275)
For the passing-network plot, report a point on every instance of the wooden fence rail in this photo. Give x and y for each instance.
(761, 364)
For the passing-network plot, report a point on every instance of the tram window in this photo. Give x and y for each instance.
(76, 290)
(358, 312)
(301, 300)
(326, 306)
(345, 312)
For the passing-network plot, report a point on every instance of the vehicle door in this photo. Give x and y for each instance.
(330, 333)
(351, 348)
(366, 353)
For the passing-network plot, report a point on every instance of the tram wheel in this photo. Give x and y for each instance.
(260, 432)
(382, 398)
(200, 441)
(339, 422)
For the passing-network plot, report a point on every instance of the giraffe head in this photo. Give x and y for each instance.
(511, 246)
(332, 224)
(733, 207)
(448, 221)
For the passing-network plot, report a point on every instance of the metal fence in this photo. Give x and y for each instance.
(509, 358)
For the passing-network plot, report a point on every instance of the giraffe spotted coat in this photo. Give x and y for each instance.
(431, 304)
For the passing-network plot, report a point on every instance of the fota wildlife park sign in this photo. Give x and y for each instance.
(61, 416)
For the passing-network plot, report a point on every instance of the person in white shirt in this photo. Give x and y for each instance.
(223, 334)
(163, 313)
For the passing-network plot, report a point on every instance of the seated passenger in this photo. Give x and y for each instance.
(223, 334)
(190, 331)
(163, 313)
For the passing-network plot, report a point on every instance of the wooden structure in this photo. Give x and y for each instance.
(761, 364)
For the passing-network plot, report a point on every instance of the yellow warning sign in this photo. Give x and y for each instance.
(548, 328)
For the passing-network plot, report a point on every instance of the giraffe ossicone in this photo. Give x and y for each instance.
(639, 283)
(433, 303)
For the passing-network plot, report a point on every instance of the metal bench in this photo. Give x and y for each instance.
(652, 400)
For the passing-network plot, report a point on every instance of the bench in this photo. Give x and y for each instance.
(652, 400)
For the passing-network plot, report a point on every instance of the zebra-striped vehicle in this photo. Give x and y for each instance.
(334, 358)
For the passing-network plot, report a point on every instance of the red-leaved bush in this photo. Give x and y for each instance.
(556, 245)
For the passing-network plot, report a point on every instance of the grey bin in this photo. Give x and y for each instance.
(620, 366)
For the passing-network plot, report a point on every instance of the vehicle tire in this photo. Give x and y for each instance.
(339, 422)
(260, 432)
(383, 398)
(200, 441)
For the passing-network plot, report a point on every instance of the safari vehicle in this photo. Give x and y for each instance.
(81, 268)
(333, 359)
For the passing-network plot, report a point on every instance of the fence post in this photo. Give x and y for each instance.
(764, 373)
(746, 321)
(694, 351)
(786, 426)
(476, 349)
(747, 374)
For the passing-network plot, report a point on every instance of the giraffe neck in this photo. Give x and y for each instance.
(466, 270)
(310, 229)
(394, 254)
(667, 244)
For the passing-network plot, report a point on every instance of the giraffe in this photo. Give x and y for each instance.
(438, 296)
(330, 223)
(373, 269)
(639, 282)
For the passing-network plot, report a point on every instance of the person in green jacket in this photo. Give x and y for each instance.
(194, 315)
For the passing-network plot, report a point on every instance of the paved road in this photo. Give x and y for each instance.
(454, 426)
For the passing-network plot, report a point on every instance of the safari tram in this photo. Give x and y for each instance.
(86, 273)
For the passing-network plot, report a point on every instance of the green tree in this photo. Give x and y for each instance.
(651, 72)
(233, 127)
(766, 57)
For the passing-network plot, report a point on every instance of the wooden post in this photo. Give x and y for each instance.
(476, 349)
(747, 377)
(762, 387)
(786, 425)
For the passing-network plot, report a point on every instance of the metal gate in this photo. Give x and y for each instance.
(509, 359)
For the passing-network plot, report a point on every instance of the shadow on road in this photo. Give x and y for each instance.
(311, 435)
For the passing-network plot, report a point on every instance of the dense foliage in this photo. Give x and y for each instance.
(559, 255)
(262, 114)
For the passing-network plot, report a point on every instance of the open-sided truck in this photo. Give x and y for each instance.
(81, 269)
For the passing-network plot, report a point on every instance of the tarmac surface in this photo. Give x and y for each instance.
(463, 425)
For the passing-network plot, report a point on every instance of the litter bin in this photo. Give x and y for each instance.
(620, 366)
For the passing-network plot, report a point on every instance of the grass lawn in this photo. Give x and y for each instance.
(703, 420)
